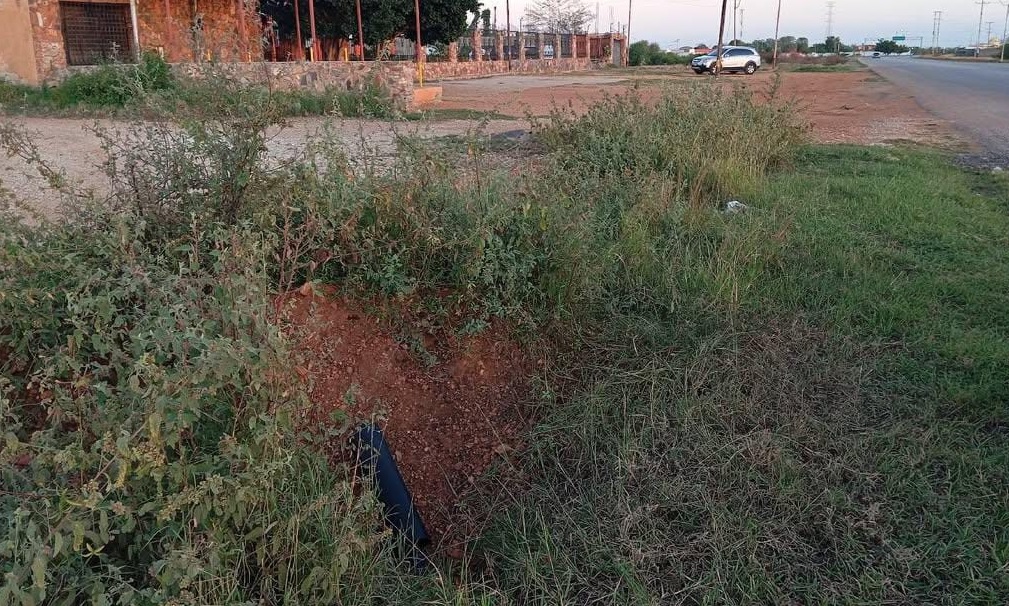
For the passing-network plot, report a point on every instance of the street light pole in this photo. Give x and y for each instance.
(777, 29)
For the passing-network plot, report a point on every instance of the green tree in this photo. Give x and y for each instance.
(889, 47)
(442, 21)
(802, 45)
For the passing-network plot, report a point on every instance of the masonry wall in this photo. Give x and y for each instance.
(167, 30)
(17, 58)
(171, 31)
(396, 77)
(478, 69)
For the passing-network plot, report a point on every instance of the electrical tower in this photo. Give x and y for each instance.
(936, 25)
(987, 40)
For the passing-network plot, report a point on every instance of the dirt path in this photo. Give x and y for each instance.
(842, 107)
(71, 146)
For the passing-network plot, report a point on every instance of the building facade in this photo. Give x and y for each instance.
(48, 36)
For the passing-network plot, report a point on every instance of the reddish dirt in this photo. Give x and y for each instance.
(842, 107)
(446, 423)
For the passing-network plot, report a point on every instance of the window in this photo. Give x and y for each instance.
(96, 32)
(736, 52)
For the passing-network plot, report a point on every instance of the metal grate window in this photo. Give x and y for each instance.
(97, 32)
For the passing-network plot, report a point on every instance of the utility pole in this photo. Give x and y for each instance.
(742, 13)
(735, 10)
(1005, 32)
(360, 31)
(508, 31)
(830, 19)
(721, 38)
(987, 40)
(980, 22)
(777, 30)
(629, 2)
(936, 24)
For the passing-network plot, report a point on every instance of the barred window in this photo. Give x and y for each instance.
(95, 32)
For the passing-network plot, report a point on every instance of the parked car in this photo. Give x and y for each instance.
(734, 59)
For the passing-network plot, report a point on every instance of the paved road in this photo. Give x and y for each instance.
(973, 96)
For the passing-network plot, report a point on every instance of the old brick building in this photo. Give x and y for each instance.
(42, 37)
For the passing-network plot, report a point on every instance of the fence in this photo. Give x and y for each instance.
(493, 45)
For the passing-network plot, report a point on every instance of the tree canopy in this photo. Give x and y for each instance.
(560, 16)
(442, 21)
(889, 47)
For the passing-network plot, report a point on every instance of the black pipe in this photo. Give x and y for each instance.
(375, 463)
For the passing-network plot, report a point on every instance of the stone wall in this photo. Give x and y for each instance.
(17, 57)
(479, 69)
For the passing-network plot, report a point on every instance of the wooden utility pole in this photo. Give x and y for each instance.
(299, 53)
(420, 47)
(311, 26)
(721, 38)
(360, 32)
(777, 30)
(1005, 32)
(627, 38)
(508, 31)
(980, 23)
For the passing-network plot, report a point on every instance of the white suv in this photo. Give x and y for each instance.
(734, 59)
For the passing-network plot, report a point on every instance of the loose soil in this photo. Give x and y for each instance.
(855, 107)
(451, 406)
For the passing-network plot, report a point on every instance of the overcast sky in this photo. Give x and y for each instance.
(686, 22)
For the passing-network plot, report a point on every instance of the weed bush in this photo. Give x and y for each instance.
(725, 418)
(149, 88)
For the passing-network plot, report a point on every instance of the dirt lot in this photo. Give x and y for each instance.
(842, 107)
(846, 107)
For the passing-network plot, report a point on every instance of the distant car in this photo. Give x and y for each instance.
(877, 55)
(734, 59)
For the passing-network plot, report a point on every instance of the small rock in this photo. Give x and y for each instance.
(997, 169)
(733, 207)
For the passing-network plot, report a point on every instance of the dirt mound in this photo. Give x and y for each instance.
(450, 406)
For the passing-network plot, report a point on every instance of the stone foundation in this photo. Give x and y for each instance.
(478, 69)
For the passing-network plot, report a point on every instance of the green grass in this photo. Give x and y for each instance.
(825, 423)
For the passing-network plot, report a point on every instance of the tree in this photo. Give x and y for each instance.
(802, 45)
(559, 16)
(889, 47)
(442, 21)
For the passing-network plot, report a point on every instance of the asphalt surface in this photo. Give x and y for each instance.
(974, 97)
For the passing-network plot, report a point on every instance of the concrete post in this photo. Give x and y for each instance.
(557, 46)
(540, 45)
(477, 45)
(574, 46)
(453, 52)
(522, 46)
(499, 45)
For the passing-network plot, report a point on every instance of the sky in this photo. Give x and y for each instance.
(688, 22)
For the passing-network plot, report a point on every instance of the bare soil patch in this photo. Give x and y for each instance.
(451, 406)
(842, 107)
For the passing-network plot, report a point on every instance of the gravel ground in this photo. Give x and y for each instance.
(70, 145)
